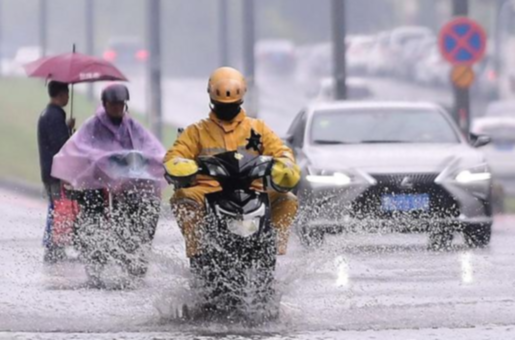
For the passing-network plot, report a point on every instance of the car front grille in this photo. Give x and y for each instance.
(397, 179)
(369, 203)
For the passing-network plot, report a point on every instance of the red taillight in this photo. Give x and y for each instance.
(142, 55)
(110, 55)
(492, 75)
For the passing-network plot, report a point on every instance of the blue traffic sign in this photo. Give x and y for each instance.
(462, 41)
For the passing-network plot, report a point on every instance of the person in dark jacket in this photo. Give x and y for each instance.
(53, 132)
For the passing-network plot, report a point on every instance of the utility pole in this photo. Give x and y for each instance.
(43, 26)
(339, 53)
(154, 66)
(249, 37)
(223, 33)
(461, 95)
(1, 40)
(499, 27)
(90, 37)
(504, 13)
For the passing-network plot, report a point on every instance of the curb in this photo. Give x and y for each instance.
(26, 189)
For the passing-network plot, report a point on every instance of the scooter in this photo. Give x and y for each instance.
(234, 273)
(117, 223)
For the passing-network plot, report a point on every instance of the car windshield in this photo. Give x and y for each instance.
(410, 38)
(355, 126)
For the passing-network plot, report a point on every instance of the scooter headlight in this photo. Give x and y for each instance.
(262, 168)
(216, 170)
(244, 228)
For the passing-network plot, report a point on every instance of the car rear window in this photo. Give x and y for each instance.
(500, 133)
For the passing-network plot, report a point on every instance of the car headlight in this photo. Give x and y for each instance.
(336, 178)
(477, 174)
(244, 228)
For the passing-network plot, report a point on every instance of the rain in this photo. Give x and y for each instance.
(224, 169)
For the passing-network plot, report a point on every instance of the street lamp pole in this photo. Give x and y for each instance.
(339, 50)
(154, 66)
(43, 26)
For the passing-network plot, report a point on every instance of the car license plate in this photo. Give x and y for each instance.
(504, 146)
(405, 202)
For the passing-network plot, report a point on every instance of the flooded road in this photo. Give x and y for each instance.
(357, 286)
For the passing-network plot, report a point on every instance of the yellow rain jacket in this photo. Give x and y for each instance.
(243, 134)
(212, 136)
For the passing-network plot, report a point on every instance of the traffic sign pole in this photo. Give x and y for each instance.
(460, 7)
(462, 76)
(461, 95)
(462, 43)
(462, 107)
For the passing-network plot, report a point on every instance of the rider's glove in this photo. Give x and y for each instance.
(181, 167)
(285, 174)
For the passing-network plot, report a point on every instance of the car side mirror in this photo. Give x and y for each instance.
(478, 141)
(288, 140)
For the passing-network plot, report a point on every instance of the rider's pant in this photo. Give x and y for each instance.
(189, 209)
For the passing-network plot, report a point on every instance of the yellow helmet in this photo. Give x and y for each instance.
(226, 85)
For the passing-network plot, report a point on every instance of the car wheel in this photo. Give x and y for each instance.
(311, 238)
(497, 199)
(478, 235)
(440, 238)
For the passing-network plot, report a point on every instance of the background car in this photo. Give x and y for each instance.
(499, 123)
(413, 53)
(127, 53)
(357, 89)
(23, 55)
(275, 57)
(485, 85)
(378, 61)
(389, 166)
(433, 69)
(400, 40)
(7, 53)
(314, 63)
(359, 50)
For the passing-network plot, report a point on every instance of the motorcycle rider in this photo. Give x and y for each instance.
(111, 132)
(229, 129)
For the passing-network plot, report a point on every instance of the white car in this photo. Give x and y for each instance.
(402, 37)
(24, 55)
(359, 50)
(499, 124)
(387, 165)
(379, 60)
(433, 69)
(275, 57)
(357, 89)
